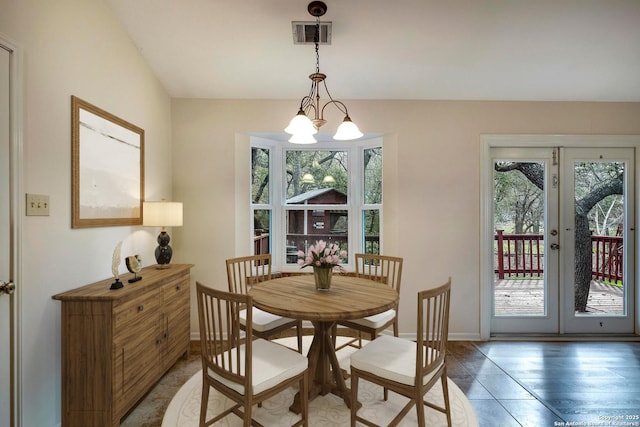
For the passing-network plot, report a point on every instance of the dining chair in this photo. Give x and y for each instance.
(242, 273)
(382, 269)
(409, 368)
(243, 369)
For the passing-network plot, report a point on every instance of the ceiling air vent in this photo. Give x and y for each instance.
(304, 32)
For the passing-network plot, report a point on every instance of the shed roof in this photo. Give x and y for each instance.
(312, 194)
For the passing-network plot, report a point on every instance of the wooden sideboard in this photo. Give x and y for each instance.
(116, 344)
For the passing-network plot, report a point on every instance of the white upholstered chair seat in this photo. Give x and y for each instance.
(271, 364)
(389, 357)
(377, 320)
(262, 320)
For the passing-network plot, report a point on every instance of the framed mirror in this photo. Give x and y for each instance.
(107, 168)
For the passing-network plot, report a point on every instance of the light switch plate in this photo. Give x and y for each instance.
(37, 205)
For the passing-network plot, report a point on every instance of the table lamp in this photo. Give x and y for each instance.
(162, 214)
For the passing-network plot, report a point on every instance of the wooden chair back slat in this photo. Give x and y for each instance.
(380, 268)
(242, 272)
(221, 335)
(433, 321)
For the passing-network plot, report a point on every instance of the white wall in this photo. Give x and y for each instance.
(73, 47)
(432, 197)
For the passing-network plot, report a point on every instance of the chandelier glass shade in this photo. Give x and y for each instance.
(302, 127)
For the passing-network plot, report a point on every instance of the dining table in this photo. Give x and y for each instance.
(349, 297)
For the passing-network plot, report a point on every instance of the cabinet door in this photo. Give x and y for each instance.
(176, 318)
(137, 350)
(86, 374)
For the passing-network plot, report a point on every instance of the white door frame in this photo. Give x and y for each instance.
(16, 214)
(486, 202)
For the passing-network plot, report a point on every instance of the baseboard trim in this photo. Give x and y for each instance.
(565, 337)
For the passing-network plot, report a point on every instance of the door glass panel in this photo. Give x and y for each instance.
(519, 246)
(599, 210)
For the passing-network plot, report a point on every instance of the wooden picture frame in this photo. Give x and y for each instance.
(107, 157)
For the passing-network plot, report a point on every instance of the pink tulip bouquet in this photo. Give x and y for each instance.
(322, 255)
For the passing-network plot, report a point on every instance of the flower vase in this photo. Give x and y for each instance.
(322, 277)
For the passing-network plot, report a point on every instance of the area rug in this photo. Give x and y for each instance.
(328, 410)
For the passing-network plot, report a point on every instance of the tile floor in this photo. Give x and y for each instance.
(538, 384)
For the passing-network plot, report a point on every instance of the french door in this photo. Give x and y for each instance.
(563, 246)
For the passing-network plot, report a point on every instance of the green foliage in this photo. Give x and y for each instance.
(259, 175)
(373, 176)
(262, 219)
(328, 169)
(608, 214)
(518, 204)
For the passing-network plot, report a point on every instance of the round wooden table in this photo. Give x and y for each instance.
(349, 298)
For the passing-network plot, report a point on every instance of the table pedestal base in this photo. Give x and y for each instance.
(324, 368)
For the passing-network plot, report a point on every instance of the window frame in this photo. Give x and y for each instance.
(355, 206)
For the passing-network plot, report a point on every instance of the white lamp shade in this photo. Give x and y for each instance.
(162, 214)
(347, 130)
(302, 138)
(301, 124)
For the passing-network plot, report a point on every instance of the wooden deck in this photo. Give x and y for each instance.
(525, 297)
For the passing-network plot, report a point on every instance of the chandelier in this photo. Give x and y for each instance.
(302, 128)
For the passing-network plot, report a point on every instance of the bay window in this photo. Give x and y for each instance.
(330, 191)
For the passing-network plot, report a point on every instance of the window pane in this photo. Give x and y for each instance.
(371, 231)
(317, 177)
(306, 226)
(261, 231)
(259, 175)
(373, 176)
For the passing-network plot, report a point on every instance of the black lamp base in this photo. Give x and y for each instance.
(163, 251)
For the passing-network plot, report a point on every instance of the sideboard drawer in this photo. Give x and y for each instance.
(176, 292)
(136, 311)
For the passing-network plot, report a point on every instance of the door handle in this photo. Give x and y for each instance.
(7, 287)
(554, 246)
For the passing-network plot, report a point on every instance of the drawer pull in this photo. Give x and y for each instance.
(140, 307)
(158, 341)
(178, 287)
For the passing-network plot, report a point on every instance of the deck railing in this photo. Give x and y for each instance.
(295, 242)
(607, 258)
(260, 243)
(522, 255)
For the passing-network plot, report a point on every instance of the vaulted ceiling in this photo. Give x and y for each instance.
(558, 50)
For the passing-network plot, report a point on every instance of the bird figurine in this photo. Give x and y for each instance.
(134, 265)
(115, 263)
